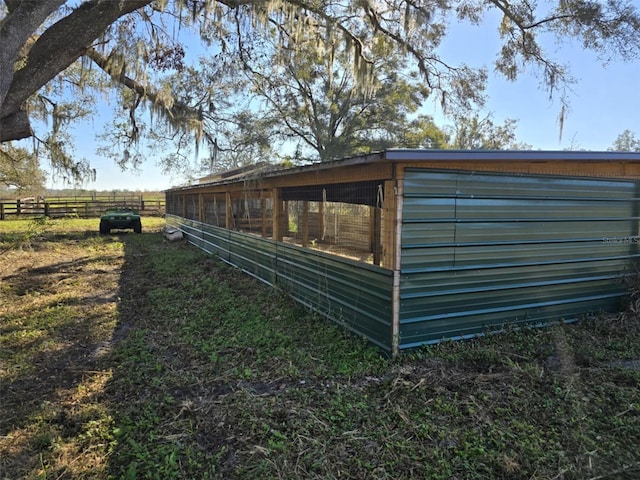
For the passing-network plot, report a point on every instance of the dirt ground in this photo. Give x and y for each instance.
(58, 313)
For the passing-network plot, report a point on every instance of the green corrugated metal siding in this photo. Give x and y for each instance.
(483, 250)
(353, 294)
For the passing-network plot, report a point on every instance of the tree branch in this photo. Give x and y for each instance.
(76, 32)
(504, 8)
(15, 126)
(15, 29)
(176, 113)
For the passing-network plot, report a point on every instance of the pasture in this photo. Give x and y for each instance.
(124, 356)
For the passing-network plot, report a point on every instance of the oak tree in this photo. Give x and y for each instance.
(312, 99)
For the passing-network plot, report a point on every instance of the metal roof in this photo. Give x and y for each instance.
(512, 155)
(425, 155)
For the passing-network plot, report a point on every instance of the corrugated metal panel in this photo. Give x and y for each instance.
(483, 250)
(354, 295)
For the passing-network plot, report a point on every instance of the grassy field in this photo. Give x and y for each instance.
(124, 356)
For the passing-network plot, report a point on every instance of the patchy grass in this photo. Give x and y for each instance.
(124, 356)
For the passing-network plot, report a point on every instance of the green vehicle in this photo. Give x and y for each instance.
(120, 219)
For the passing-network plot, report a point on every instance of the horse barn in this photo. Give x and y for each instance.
(411, 247)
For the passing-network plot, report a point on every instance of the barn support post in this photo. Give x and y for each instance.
(285, 219)
(277, 215)
(375, 224)
(320, 232)
(201, 207)
(305, 224)
(229, 220)
(392, 251)
(377, 236)
(389, 226)
(371, 228)
(263, 213)
(396, 270)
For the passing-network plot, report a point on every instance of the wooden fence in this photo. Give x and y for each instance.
(56, 207)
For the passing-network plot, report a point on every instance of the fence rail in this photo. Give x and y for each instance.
(76, 207)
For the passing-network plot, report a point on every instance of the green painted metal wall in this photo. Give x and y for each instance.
(354, 295)
(483, 250)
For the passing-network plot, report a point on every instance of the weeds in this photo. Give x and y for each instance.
(19, 235)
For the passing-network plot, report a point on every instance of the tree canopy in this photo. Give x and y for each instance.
(20, 170)
(626, 142)
(88, 47)
(474, 133)
(314, 101)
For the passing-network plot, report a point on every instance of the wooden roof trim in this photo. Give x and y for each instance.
(379, 166)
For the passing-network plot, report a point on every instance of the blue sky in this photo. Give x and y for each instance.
(604, 102)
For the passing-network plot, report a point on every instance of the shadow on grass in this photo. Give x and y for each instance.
(58, 302)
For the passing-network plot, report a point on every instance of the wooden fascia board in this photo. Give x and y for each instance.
(338, 174)
(594, 168)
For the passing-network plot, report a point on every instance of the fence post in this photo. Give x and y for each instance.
(1, 211)
(305, 224)
(278, 215)
(18, 207)
(47, 212)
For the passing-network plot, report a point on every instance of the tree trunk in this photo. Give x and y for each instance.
(22, 20)
(15, 127)
(57, 48)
